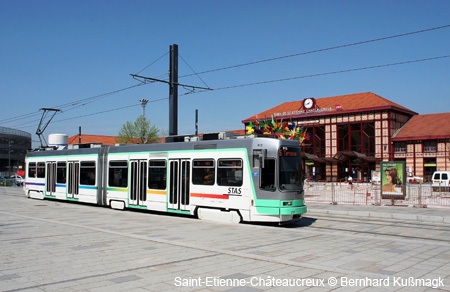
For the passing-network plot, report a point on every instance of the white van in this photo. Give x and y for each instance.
(440, 179)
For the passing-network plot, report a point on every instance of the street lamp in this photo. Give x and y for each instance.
(9, 156)
(143, 103)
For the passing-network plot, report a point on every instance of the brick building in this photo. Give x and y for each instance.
(84, 139)
(351, 134)
(424, 143)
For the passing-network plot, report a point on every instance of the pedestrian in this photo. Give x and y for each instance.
(350, 182)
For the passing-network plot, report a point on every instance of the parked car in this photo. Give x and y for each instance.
(440, 180)
(18, 180)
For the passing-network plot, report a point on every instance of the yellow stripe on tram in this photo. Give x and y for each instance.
(153, 192)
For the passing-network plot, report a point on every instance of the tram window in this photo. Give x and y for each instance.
(157, 174)
(229, 172)
(289, 168)
(203, 172)
(258, 156)
(40, 170)
(87, 173)
(268, 175)
(118, 174)
(32, 169)
(61, 172)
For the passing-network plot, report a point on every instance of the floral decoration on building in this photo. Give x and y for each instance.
(283, 130)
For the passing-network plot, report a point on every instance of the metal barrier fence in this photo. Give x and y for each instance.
(417, 195)
(6, 182)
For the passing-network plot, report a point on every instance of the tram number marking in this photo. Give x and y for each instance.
(234, 191)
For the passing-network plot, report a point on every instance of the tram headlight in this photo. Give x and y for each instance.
(287, 203)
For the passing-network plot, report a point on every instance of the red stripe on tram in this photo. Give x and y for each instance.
(212, 196)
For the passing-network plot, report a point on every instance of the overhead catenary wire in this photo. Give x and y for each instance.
(110, 110)
(98, 113)
(198, 76)
(87, 115)
(29, 124)
(270, 81)
(88, 100)
(83, 102)
(333, 72)
(71, 105)
(13, 119)
(137, 73)
(320, 50)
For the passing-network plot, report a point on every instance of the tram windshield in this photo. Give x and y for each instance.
(290, 171)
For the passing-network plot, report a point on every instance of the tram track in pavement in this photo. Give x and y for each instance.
(360, 225)
(314, 226)
(386, 222)
(400, 228)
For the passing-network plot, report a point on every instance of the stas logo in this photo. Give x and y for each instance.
(234, 191)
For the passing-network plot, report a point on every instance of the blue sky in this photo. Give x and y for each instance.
(55, 54)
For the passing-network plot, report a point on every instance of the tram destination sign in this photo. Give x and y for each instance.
(288, 153)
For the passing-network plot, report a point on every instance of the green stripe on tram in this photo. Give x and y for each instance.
(137, 207)
(117, 189)
(277, 207)
(178, 211)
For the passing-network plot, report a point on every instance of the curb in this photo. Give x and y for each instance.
(397, 216)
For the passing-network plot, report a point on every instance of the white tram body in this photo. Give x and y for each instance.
(249, 179)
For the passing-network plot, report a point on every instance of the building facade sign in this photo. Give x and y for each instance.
(301, 112)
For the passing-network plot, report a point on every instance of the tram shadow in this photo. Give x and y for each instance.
(297, 223)
(303, 222)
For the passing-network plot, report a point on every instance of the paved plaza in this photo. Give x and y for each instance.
(60, 246)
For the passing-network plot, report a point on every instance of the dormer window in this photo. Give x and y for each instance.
(429, 146)
(400, 147)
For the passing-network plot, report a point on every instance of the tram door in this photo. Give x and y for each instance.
(179, 181)
(73, 180)
(51, 179)
(138, 187)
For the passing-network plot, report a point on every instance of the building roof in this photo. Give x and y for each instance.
(357, 102)
(111, 140)
(105, 140)
(239, 132)
(10, 131)
(421, 127)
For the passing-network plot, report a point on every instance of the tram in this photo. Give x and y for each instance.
(250, 179)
